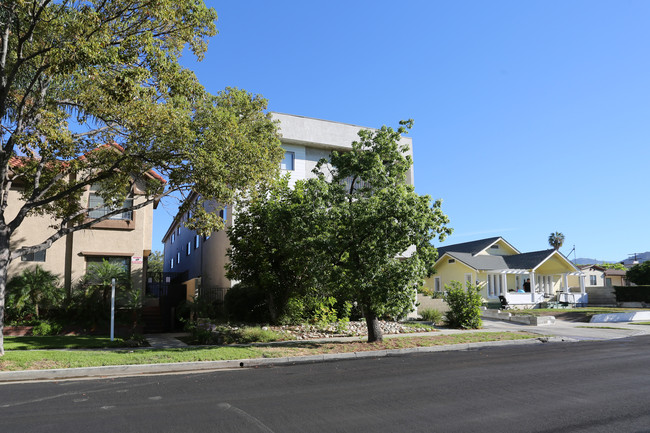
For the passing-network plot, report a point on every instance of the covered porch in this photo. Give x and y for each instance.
(545, 286)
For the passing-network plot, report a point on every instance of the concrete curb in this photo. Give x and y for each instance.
(204, 366)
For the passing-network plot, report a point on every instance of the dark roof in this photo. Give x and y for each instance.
(481, 262)
(468, 247)
(527, 260)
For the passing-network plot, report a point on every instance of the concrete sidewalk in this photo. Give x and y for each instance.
(559, 332)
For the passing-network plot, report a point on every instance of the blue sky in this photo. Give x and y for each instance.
(530, 117)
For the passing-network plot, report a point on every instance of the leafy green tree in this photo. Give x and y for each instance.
(556, 240)
(377, 233)
(271, 249)
(464, 305)
(92, 93)
(155, 262)
(617, 266)
(639, 274)
(33, 290)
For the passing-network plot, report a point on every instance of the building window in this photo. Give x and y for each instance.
(171, 264)
(178, 257)
(287, 162)
(223, 214)
(178, 230)
(173, 237)
(436, 284)
(125, 262)
(196, 241)
(592, 280)
(34, 257)
(494, 247)
(189, 248)
(96, 208)
(451, 261)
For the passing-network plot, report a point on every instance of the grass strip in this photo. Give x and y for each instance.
(62, 342)
(48, 359)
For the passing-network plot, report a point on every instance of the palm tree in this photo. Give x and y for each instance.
(556, 240)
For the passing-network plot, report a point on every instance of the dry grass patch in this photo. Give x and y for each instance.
(320, 348)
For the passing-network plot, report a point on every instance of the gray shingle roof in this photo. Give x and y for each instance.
(527, 260)
(481, 262)
(468, 247)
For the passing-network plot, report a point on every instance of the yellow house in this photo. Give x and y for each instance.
(499, 269)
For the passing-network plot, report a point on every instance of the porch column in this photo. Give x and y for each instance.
(582, 284)
(505, 284)
(565, 283)
(532, 286)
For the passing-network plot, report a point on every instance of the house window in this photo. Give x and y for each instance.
(178, 257)
(608, 282)
(189, 248)
(197, 241)
(436, 284)
(171, 264)
(592, 280)
(223, 213)
(125, 262)
(451, 261)
(34, 257)
(96, 208)
(287, 162)
(178, 230)
(173, 237)
(494, 247)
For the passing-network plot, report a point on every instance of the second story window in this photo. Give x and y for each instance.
(196, 241)
(178, 258)
(173, 237)
(96, 208)
(189, 248)
(34, 257)
(287, 162)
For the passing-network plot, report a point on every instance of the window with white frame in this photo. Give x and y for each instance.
(288, 161)
(178, 258)
(593, 280)
(437, 284)
(197, 241)
(171, 263)
(97, 208)
(189, 248)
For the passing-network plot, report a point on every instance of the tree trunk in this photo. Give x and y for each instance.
(4, 265)
(374, 331)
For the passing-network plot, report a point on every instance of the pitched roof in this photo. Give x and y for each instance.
(527, 260)
(472, 247)
(481, 262)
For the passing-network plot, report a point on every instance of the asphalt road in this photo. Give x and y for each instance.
(588, 386)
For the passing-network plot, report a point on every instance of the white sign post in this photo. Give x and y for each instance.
(112, 309)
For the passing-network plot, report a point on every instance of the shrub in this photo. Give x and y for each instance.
(246, 304)
(431, 315)
(464, 306)
(47, 328)
(632, 293)
(32, 291)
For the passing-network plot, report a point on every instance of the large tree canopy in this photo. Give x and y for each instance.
(380, 230)
(92, 93)
(357, 232)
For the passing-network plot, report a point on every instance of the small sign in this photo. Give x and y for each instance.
(136, 260)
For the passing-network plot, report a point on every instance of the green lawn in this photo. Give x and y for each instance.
(62, 342)
(47, 359)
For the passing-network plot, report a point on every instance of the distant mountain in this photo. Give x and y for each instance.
(640, 257)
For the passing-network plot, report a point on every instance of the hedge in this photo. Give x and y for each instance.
(632, 293)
